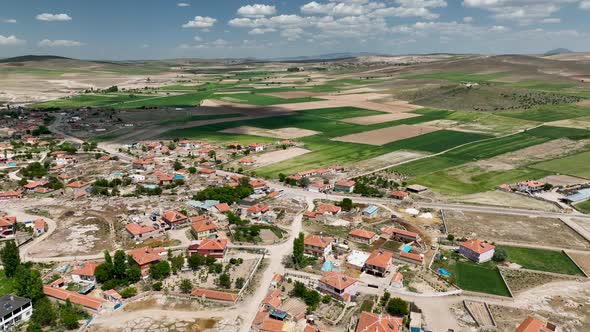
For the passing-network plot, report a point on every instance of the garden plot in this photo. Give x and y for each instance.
(386, 135)
(284, 133)
(515, 229)
(274, 157)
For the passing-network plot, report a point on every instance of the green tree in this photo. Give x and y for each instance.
(225, 280)
(160, 270)
(176, 263)
(186, 286)
(44, 313)
(239, 283)
(195, 261)
(133, 273)
(397, 307)
(101, 273)
(119, 265)
(298, 251)
(178, 165)
(128, 292)
(28, 283)
(10, 257)
(157, 286)
(346, 204)
(192, 170)
(500, 255)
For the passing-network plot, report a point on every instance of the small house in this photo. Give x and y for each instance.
(477, 251)
(363, 236)
(317, 245)
(209, 247)
(338, 285)
(344, 186)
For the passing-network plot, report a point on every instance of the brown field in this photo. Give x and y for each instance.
(285, 133)
(457, 126)
(584, 103)
(518, 229)
(580, 123)
(359, 100)
(274, 157)
(290, 94)
(373, 119)
(501, 198)
(520, 281)
(562, 180)
(386, 160)
(386, 135)
(582, 260)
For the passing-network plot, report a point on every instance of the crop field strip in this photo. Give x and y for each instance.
(542, 260)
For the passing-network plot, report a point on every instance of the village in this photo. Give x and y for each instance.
(188, 222)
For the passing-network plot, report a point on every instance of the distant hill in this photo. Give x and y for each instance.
(558, 51)
(329, 56)
(27, 58)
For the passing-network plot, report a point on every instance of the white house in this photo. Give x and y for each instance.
(477, 251)
(339, 285)
(13, 310)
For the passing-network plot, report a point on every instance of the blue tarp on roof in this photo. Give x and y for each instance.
(370, 209)
(581, 195)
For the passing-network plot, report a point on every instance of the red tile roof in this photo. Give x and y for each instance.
(379, 258)
(78, 184)
(222, 207)
(35, 184)
(337, 280)
(39, 224)
(83, 300)
(532, 324)
(145, 255)
(323, 208)
(344, 183)
(214, 295)
(137, 230)
(317, 241)
(258, 208)
(412, 256)
(309, 328)
(477, 246)
(203, 226)
(257, 183)
(272, 325)
(87, 269)
(393, 230)
(206, 171)
(362, 233)
(173, 216)
(213, 244)
(370, 322)
(7, 221)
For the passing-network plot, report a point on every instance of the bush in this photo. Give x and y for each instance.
(397, 307)
(500, 255)
(128, 292)
(186, 286)
(225, 280)
(157, 286)
(239, 283)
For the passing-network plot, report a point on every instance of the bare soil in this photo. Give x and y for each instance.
(274, 157)
(519, 280)
(387, 135)
(373, 119)
(519, 229)
(285, 133)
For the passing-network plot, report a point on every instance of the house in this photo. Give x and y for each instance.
(222, 208)
(246, 161)
(138, 232)
(207, 205)
(258, 210)
(309, 215)
(214, 295)
(477, 251)
(7, 227)
(38, 227)
(362, 236)
(256, 147)
(144, 165)
(209, 247)
(145, 257)
(258, 185)
(204, 172)
(399, 195)
(370, 322)
(317, 245)
(339, 285)
(11, 194)
(319, 187)
(33, 185)
(204, 229)
(112, 295)
(164, 179)
(411, 257)
(356, 259)
(400, 234)
(531, 186)
(416, 188)
(90, 303)
(370, 211)
(328, 209)
(14, 310)
(397, 280)
(272, 300)
(378, 263)
(65, 159)
(174, 218)
(532, 324)
(78, 187)
(85, 272)
(344, 186)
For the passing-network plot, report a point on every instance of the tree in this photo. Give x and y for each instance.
(225, 280)
(28, 283)
(176, 263)
(282, 177)
(101, 273)
(186, 286)
(212, 154)
(326, 299)
(192, 170)
(451, 237)
(177, 165)
(10, 258)
(195, 261)
(119, 265)
(157, 286)
(239, 283)
(397, 307)
(43, 312)
(298, 251)
(133, 273)
(500, 255)
(160, 270)
(303, 182)
(128, 292)
(346, 204)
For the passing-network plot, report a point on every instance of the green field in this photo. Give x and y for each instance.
(542, 260)
(549, 113)
(457, 77)
(478, 278)
(339, 113)
(261, 100)
(574, 165)
(559, 132)
(200, 118)
(584, 207)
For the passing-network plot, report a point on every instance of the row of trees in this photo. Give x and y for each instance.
(226, 194)
(117, 272)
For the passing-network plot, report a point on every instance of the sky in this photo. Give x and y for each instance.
(166, 29)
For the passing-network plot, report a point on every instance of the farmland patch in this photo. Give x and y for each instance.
(387, 135)
(285, 133)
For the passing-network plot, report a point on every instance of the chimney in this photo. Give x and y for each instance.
(11, 297)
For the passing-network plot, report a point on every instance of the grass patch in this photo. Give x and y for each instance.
(574, 165)
(262, 100)
(6, 285)
(559, 132)
(339, 113)
(542, 260)
(549, 113)
(479, 278)
(584, 207)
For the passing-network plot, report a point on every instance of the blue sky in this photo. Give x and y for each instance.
(160, 29)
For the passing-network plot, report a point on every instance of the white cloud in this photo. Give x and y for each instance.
(198, 39)
(220, 43)
(261, 31)
(499, 28)
(200, 22)
(585, 4)
(183, 4)
(11, 41)
(53, 17)
(257, 10)
(551, 20)
(144, 45)
(520, 11)
(59, 43)
(467, 19)
(9, 20)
